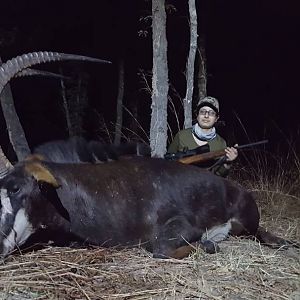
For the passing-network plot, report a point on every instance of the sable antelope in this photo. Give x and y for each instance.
(161, 205)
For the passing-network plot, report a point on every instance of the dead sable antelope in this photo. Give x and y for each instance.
(158, 204)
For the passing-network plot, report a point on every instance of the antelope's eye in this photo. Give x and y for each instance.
(14, 189)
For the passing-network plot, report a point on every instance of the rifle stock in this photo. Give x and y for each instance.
(198, 158)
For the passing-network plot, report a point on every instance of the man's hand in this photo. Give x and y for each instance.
(231, 153)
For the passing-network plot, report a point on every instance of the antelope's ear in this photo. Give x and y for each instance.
(41, 173)
(35, 158)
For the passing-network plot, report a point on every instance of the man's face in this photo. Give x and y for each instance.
(207, 117)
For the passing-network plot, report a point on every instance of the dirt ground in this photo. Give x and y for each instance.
(243, 269)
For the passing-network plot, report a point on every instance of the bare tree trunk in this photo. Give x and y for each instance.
(15, 131)
(119, 120)
(160, 84)
(187, 101)
(202, 75)
(66, 106)
(77, 97)
(74, 102)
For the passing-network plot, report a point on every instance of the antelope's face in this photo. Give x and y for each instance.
(16, 190)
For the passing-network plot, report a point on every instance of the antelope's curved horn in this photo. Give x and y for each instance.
(5, 164)
(33, 72)
(9, 69)
(16, 66)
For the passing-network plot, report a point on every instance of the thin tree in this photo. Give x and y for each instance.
(201, 52)
(74, 101)
(65, 105)
(202, 75)
(119, 119)
(187, 101)
(160, 82)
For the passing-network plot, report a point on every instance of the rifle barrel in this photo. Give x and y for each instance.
(252, 144)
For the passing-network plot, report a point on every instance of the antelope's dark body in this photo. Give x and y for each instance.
(78, 149)
(159, 204)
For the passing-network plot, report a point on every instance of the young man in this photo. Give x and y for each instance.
(203, 134)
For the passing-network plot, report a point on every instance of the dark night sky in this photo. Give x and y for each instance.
(252, 52)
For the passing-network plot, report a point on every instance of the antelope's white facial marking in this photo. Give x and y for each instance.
(6, 207)
(20, 232)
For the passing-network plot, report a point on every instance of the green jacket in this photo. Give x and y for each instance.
(184, 140)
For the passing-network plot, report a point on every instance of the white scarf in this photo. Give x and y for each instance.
(203, 135)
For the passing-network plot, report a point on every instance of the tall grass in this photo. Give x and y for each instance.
(274, 179)
(273, 172)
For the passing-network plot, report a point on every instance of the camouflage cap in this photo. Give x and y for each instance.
(210, 102)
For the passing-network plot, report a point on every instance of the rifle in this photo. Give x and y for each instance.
(186, 152)
(197, 158)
